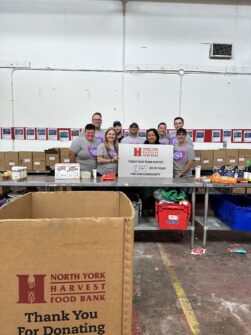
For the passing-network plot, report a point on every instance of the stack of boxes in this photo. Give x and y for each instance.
(34, 161)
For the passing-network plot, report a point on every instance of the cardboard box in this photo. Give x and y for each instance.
(38, 161)
(51, 157)
(10, 159)
(25, 159)
(244, 156)
(220, 157)
(67, 171)
(66, 262)
(207, 159)
(2, 162)
(64, 155)
(197, 157)
(232, 157)
(239, 190)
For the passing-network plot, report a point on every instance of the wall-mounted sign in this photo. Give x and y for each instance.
(200, 136)
(52, 134)
(30, 133)
(19, 133)
(41, 134)
(237, 136)
(74, 133)
(6, 133)
(64, 134)
(247, 135)
(216, 135)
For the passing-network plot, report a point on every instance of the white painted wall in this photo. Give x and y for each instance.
(62, 60)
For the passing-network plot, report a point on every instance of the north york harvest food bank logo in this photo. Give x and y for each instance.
(31, 289)
(146, 152)
(62, 288)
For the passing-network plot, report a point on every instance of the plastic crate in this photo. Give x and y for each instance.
(234, 210)
(172, 216)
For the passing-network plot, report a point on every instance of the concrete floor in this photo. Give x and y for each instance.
(178, 293)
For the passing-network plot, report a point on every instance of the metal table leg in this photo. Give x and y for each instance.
(193, 217)
(205, 217)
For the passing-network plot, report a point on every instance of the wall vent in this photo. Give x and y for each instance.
(220, 51)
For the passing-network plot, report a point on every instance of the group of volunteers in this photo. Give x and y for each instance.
(98, 149)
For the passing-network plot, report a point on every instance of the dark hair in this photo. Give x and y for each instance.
(117, 123)
(89, 126)
(178, 118)
(134, 125)
(161, 123)
(99, 114)
(155, 133)
(181, 131)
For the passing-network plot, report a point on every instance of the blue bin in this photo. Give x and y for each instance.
(234, 210)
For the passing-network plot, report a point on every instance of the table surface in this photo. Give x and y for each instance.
(50, 181)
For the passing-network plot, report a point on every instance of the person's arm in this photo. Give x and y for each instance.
(103, 160)
(186, 168)
(72, 156)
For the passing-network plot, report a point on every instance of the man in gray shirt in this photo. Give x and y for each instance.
(83, 149)
(163, 136)
(179, 123)
(133, 137)
(99, 133)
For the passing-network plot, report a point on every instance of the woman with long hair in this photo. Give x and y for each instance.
(107, 156)
(152, 136)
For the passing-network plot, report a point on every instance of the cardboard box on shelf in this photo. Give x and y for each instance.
(207, 159)
(51, 157)
(64, 155)
(73, 263)
(25, 159)
(232, 157)
(239, 190)
(10, 159)
(38, 161)
(197, 157)
(220, 157)
(244, 156)
(2, 162)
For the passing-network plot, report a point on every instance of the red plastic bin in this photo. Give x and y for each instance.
(172, 216)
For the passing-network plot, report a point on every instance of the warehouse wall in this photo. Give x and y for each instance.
(63, 60)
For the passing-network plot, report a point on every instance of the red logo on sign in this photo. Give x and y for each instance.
(137, 151)
(31, 289)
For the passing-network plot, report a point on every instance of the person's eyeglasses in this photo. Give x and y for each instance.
(96, 119)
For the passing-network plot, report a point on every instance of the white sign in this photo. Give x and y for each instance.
(145, 160)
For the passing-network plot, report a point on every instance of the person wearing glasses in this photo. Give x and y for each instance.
(97, 122)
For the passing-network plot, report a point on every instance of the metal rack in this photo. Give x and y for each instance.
(49, 183)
